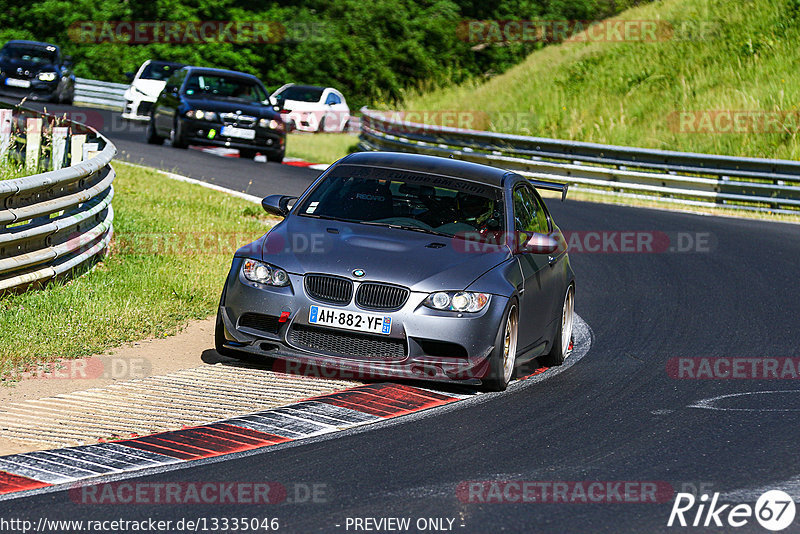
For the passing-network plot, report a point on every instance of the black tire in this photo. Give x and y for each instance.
(276, 158)
(559, 352)
(247, 153)
(152, 137)
(499, 377)
(177, 136)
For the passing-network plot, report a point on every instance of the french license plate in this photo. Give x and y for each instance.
(361, 322)
(13, 82)
(243, 133)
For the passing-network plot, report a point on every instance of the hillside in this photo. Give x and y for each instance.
(370, 50)
(721, 77)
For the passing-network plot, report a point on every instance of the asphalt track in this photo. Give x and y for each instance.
(616, 415)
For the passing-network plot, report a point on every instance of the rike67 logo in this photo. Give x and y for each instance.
(774, 510)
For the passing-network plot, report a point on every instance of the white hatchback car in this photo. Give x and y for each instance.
(146, 84)
(311, 108)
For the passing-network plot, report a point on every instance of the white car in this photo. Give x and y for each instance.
(146, 84)
(311, 108)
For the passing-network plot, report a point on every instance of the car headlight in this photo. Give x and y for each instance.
(47, 76)
(201, 115)
(460, 301)
(272, 124)
(263, 273)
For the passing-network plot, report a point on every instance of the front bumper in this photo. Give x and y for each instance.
(208, 133)
(441, 346)
(137, 109)
(38, 90)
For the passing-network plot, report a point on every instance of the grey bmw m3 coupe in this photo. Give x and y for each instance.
(405, 266)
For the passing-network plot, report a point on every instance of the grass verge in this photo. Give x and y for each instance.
(320, 148)
(722, 56)
(172, 248)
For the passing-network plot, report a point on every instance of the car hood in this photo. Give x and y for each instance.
(34, 68)
(422, 262)
(297, 105)
(231, 106)
(151, 88)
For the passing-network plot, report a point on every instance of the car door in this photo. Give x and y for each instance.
(339, 108)
(167, 103)
(539, 278)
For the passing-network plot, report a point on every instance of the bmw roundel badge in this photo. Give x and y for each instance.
(358, 272)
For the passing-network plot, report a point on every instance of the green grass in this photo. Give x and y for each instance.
(172, 248)
(744, 57)
(320, 148)
(10, 169)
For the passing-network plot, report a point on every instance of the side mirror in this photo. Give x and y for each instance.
(277, 204)
(540, 244)
(130, 75)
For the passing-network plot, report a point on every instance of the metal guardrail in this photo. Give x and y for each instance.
(97, 94)
(55, 221)
(667, 176)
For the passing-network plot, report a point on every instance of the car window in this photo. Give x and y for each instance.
(32, 54)
(158, 71)
(333, 99)
(302, 94)
(224, 87)
(176, 79)
(428, 202)
(529, 216)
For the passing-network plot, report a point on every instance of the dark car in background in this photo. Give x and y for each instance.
(216, 107)
(409, 266)
(37, 71)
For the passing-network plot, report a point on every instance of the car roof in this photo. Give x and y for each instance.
(220, 72)
(453, 168)
(294, 85)
(35, 44)
(164, 62)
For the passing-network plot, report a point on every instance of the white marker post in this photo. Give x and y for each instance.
(60, 134)
(76, 149)
(33, 143)
(5, 132)
(90, 150)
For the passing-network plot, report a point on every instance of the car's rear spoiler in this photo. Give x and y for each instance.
(551, 186)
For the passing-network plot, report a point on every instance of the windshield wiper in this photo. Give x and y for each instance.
(328, 217)
(404, 227)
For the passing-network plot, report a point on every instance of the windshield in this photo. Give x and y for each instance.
(158, 71)
(301, 94)
(32, 54)
(414, 201)
(225, 87)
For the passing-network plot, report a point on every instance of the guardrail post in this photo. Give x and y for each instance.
(33, 143)
(76, 149)
(5, 132)
(60, 134)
